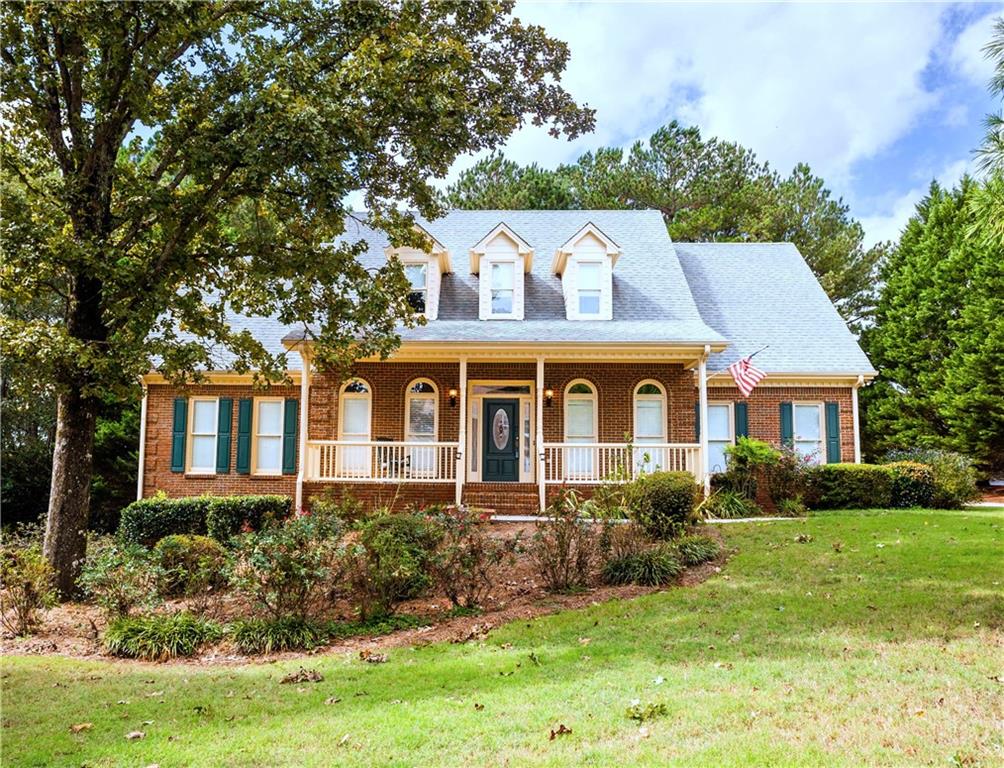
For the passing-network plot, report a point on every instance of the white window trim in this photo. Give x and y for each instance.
(820, 455)
(514, 315)
(423, 262)
(661, 397)
(343, 396)
(409, 396)
(579, 289)
(731, 422)
(568, 397)
(190, 438)
(255, 470)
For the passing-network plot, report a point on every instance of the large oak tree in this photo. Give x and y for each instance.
(166, 162)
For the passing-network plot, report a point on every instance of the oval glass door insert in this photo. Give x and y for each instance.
(500, 428)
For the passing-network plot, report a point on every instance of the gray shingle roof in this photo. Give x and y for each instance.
(750, 295)
(764, 293)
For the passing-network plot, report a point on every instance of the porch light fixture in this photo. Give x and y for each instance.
(453, 398)
(548, 396)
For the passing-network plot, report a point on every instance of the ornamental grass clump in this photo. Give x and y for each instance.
(653, 567)
(160, 637)
(262, 636)
(694, 550)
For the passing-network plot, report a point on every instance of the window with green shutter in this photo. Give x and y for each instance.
(226, 413)
(289, 424)
(244, 436)
(178, 434)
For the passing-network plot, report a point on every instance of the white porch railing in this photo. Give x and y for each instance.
(380, 461)
(586, 463)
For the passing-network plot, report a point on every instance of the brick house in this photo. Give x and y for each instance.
(561, 347)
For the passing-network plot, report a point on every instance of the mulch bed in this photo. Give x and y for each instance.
(74, 629)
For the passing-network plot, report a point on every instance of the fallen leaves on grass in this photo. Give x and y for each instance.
(332, 700)
(81, 727)
(642, 712)
(372, 658)
(562, 731)
(478, 707)
(135, 735)
(302, 676)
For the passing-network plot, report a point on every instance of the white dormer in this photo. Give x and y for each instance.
(500, 260)
(424, 270)
(586, 264)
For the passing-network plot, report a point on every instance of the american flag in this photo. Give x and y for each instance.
(746, 375)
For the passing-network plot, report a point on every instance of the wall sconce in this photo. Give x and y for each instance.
(548, 397)
(453, 398)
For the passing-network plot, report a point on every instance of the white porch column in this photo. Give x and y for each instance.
(301, 471)
(142, 445)
(542, 498)
(703, 410)
(854, 412)
(462, 433)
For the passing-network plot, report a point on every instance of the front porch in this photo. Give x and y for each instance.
(478, 430)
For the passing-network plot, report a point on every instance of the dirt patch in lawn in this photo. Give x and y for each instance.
(75, 629)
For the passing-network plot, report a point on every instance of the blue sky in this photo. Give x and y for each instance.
(878, 98)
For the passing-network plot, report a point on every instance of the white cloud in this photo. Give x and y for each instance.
(828, 85)
(967, 54)
(893, 214)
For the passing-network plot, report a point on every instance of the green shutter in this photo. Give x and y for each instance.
(244, 436)
(832, 433)
(697, 422)
(224, 425)
(742, 421)
(178, 431)
(787, 425)
(289, 437)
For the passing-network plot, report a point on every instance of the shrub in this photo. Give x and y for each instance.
(912, 484)
(663, 503)
(121, 577)
(160, 637)
(954, 475)
(754, 464)
(338, 503)
(621, 540)
(651, 568)
(379, 625)
(467, 557)
(284, 569)
(792, 507)
(694, 550)
(147, 521)
(190, 563)
(729, 505)
(228, 516)
(392, 561)
(563, 547)
(849, 486)
(26, 585)
(276, 635)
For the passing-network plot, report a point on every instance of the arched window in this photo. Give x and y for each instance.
(649, 425)
(580, 427)
(421, 408)
(355, 402)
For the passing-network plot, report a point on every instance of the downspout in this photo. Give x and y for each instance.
(458, 493)
(705, 477)
(141, 468)
(301, 472)
(541, 490)
(854, 410)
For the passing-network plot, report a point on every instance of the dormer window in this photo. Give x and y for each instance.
(503, 277)
(500, 260)
(418, 277)
(585, 264)
(588, 286)
(424, 271)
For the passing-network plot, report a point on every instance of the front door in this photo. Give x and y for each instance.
(501, 441)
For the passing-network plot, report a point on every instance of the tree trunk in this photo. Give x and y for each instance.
(70, 495)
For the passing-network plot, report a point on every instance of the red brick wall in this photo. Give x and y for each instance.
(157, 474)
(764, 410)
(614, 382)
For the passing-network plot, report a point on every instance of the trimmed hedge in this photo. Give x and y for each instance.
(147, 521)
(850, 486)
(663, 503)
(227, 516)
(912, 484)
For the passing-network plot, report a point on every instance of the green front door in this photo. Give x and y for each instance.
(501, 441)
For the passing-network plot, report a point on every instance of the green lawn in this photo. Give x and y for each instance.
(888, 652)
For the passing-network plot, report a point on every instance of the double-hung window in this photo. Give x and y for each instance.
(720, 435)
(809, 431)
(268, 436)
(589, 287)
(649, 426)
(580, 427)
(503, 276)
(202, 429)
(418, 278)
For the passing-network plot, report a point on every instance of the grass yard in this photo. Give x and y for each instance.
(877, 641)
